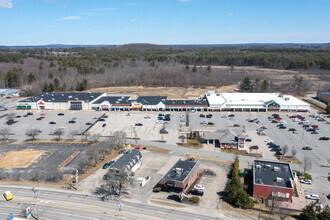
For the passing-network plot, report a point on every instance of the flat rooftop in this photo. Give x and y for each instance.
(114, 100)
(63, 97)
(180, 170)
(272, 174)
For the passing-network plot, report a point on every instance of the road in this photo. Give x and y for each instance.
(63, 205)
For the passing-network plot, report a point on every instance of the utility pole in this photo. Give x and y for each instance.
(77, 179)
(34, 198)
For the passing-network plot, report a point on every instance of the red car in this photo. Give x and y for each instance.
(255, 147)
(274, 121)
(42, 117)
(315, 126)
(264, 127)
(293, 116)
(137, 148)
(278, 118)
(25, 116)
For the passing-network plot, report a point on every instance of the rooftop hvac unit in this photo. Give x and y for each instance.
(76, 98)
(276, 169)
(179, 170)
(268, 166)
(70, 97)
(279, 179)
(62, 94)
(92, 96)
(258, 166)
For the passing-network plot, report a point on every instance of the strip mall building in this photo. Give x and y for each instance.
(211, 101)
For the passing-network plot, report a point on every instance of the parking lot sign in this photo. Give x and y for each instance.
(28, 212)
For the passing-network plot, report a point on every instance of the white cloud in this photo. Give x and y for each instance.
(69, 18)
(230, 14)
(6, 4)
(184, 0)
(133, 21)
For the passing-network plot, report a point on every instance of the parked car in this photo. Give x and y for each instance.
(312, 196)
(314, 132)
(209, 116)
(173, 197)
(236, 125)
(202, 116)
(264, 127)
(203, 122)
(106, 165)
(306, 181)
(307, 148)
(268, 140)
(38, 119)
(324, 138)
(282, 127)
(88, 123)
(101, 119)
(147, 117)
(104, 125)
(72, 121)
(60, 114)
(292, 129)
(231, 115)
(29, 113)
(104, 116)
(210, 123)
(138, 124)
(254, 147)
(25, 116)
(278, 153)
(52, 122)
(248, 140)
(199, 187)
(223, 116)
(18, 116)
(196, 192)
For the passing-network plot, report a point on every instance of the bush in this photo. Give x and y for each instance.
(195, 199)
(308, 176)
(328, 178)
(157, 189)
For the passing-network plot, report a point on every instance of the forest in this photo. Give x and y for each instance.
(78, 68)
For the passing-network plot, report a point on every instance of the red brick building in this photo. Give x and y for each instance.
(273, 179)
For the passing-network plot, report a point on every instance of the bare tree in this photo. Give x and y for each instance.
(32, 133)
(82, 164)
(285, 149)
(5, 133)
(119, 138)
(104, 149)
(293, 151)
(283, 213)
(59, 132)
(93, 154)
(116, 183)
(95, 137)
(307, 164)
(72, 133)
(86, 134)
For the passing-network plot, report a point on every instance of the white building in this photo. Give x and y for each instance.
(254, 102)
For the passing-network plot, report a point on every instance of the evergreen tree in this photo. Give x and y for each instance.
(56, 84)
(265, 86)
(31, 77)
(246, 84)
(209, 68)
(328, 108)
(194, 69)
(309, 213)
(45, 87)
(12, 77)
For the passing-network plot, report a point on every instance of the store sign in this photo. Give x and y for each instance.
(41, 102)
(273, 105)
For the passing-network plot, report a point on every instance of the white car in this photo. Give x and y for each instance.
(159, 122)
(313, 197)
(203, 122)
(306, 181)
(199, 187)
(268, 140)
(147, 117)
(224, 116)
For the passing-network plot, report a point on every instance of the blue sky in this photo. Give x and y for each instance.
(39, 22)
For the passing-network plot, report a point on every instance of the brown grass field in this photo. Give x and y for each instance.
(19, 159)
